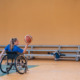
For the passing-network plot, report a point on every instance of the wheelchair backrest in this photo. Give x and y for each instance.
(11, 54)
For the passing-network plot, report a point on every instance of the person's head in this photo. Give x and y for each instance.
(13, 41)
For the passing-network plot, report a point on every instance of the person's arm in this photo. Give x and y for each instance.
(26, 46)
(2, 53)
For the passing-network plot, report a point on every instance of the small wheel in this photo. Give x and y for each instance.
(21, 64)
(6, 64)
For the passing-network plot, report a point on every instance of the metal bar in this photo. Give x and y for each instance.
(38, 55)
(40, 50)
(73, 46)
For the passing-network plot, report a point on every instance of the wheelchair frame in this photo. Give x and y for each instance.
(17, 60)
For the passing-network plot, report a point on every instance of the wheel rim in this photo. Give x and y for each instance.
(5, 64)
(21, 64)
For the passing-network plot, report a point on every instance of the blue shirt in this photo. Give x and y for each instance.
(15, 49)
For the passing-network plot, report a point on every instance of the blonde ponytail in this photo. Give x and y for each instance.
(12, 43)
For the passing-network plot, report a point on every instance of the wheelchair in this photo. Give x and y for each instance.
(14, 60)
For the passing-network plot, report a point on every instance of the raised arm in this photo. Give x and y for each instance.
(26, 46)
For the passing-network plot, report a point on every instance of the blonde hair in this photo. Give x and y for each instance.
(12, 42)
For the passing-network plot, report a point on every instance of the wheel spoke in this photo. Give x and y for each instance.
(21, 64)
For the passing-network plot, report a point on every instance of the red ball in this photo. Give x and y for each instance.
(28, 39)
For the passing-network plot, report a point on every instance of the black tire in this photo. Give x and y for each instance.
(21, 64)
(6, 64)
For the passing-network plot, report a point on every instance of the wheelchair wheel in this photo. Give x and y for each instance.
(21, 64)
(6, 64)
